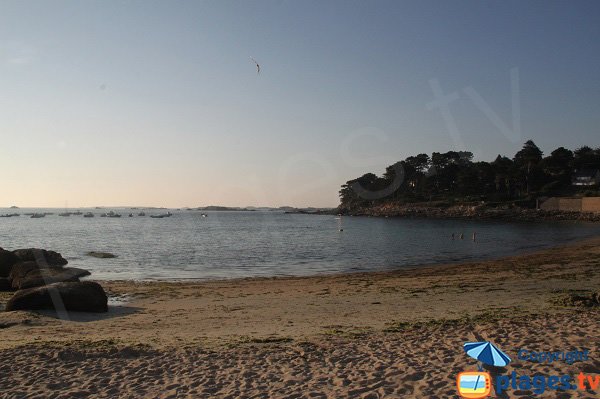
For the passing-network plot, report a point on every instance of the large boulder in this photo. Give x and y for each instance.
(39, 277)
(85, 296)
(40, 256)
(20, 270)
(30, 274)
(7, 260)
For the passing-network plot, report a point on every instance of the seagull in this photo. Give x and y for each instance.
(257, 66)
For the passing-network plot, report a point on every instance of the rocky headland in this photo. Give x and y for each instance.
(468, 211)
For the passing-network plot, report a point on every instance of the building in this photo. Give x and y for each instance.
(570, 204)
(586, 177)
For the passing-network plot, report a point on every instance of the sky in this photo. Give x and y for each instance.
(158, 103)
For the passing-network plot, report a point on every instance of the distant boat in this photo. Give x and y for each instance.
(88, 215)
(162, 215)
(111, 214)
(9, 215)
(204, 215)
(65, 214)
(38, 215)
(141, 214)
(131, 215)
(78, 213)
(103, 215)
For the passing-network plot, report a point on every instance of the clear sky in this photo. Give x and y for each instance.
(158, 103)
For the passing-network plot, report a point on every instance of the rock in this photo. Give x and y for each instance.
(5, 284)
(85, 296)
(32, 254)
(7, 260)
(103, 255)
(20, 270)
(29, 274)
(39, 277)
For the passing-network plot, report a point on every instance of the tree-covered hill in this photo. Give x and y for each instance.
(454, 177)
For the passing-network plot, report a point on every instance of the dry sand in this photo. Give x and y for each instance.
(395, 334)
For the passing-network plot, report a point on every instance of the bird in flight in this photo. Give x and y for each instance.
(257, 66)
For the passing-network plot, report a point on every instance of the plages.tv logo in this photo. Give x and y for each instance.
(478, 384)
(474, 384)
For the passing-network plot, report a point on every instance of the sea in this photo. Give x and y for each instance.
(240, 244)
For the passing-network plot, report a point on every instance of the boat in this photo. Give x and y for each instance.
(162, 215)
(131, 215)
(204, 215)
(38, 215)
(111, 214)
(78, 213)
(142, 214)
(9, 215)
(103, 215)
(88, 215)
(65, 214)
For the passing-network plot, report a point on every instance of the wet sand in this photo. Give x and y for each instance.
(373, 335)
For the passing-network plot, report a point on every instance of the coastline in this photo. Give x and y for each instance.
(377, 298)
(344, 334)
(471, 212)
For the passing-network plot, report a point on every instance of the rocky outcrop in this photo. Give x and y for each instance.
(42, 281)
(102, 255)
(51, 258)
(30, 274)
(478, 212)
(85, 296)
(39, 276)
(7, 260)
(21, 269)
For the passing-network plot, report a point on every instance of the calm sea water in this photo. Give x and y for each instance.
(248, 244)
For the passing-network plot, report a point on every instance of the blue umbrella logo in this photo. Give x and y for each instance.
(486, 353)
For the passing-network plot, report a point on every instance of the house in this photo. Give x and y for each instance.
(586, 177)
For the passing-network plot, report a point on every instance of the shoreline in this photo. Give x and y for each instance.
(475, 213)
(377, 298)
(396, 269)
(367, 334)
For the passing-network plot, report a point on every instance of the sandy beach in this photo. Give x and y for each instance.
(393, 334)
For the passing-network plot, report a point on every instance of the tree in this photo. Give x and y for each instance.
(558, 167)
(529, 156)
(586, 158)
